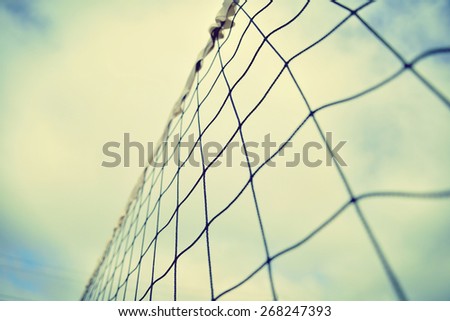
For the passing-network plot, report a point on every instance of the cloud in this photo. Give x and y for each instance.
(24, 12)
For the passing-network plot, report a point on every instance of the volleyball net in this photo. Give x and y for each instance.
(241, 224)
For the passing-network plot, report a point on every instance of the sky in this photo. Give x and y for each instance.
(76, 75)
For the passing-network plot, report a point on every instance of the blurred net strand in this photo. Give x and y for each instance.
(252, 187)
(158, 216)
(106, 274)
(205, 196)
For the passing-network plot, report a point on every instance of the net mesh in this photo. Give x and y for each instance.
(173, 242)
